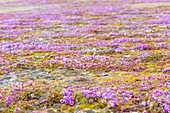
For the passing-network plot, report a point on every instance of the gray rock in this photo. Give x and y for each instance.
(56, 106)
(5, 82)
(21, 76)
(82, 111)
(84, 74)
(75, 74)
(1, 79)
(51, 111)
(49, 77)
(28, 111)
(37, 76)
(36, 72)
(7, 78)
(42, 69)
(89, 111)
(14, 80)
(76, 109)
(134, 108)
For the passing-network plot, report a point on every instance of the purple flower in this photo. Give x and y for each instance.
(71, 103)
(78, 103)
(148, 102)
(29, 82)
(16, 109)
(141, 89)
(121, 101)
(2, 109)
(144, 111)
(62, 100)
(94, 95)
(45, 107)
(66, 101)
(36, 89)
(3, 91)
(34, 111)
(0, 96)
(36, 103)
(7, 104)
(143, 103)
(16, 99)
(90, 101)
(100, 83)
(87, 95)
(122, 108)
(32, 95)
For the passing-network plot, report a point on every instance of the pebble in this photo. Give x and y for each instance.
(49, 77)
(51, 111)
(89, 111)
(76, 109)
(84, 74)
(105, 74)
(92, 75)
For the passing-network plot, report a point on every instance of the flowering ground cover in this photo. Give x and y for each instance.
(84, 56)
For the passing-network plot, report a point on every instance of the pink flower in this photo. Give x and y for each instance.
(100, 83)
(34, 111)
(143, 103)
(16, 109)
(36, 103)
(144, 111)
(148, 102)
(122, 108)
(71, 103)
(45, 107)
(62, 100)
(32, 95)
(121, 101)
(36, 89)
(2, 109)
(16, 99)
(90, 101)
(78, 103)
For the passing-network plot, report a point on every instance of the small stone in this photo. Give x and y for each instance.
(51, 111)
(105, 74)
(28, 111)
(42, 69)
(56, 106)
(1, 79)
(49, 77)
(76, 109)
(84, 74)
(41, 39)
(89, 111)
(56, 76)
(82, 111)
(73, 74)
(7, 78)
(92, 75)
(13, 80)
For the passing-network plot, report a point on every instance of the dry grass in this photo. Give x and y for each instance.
(25, 8)
(150, 5)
